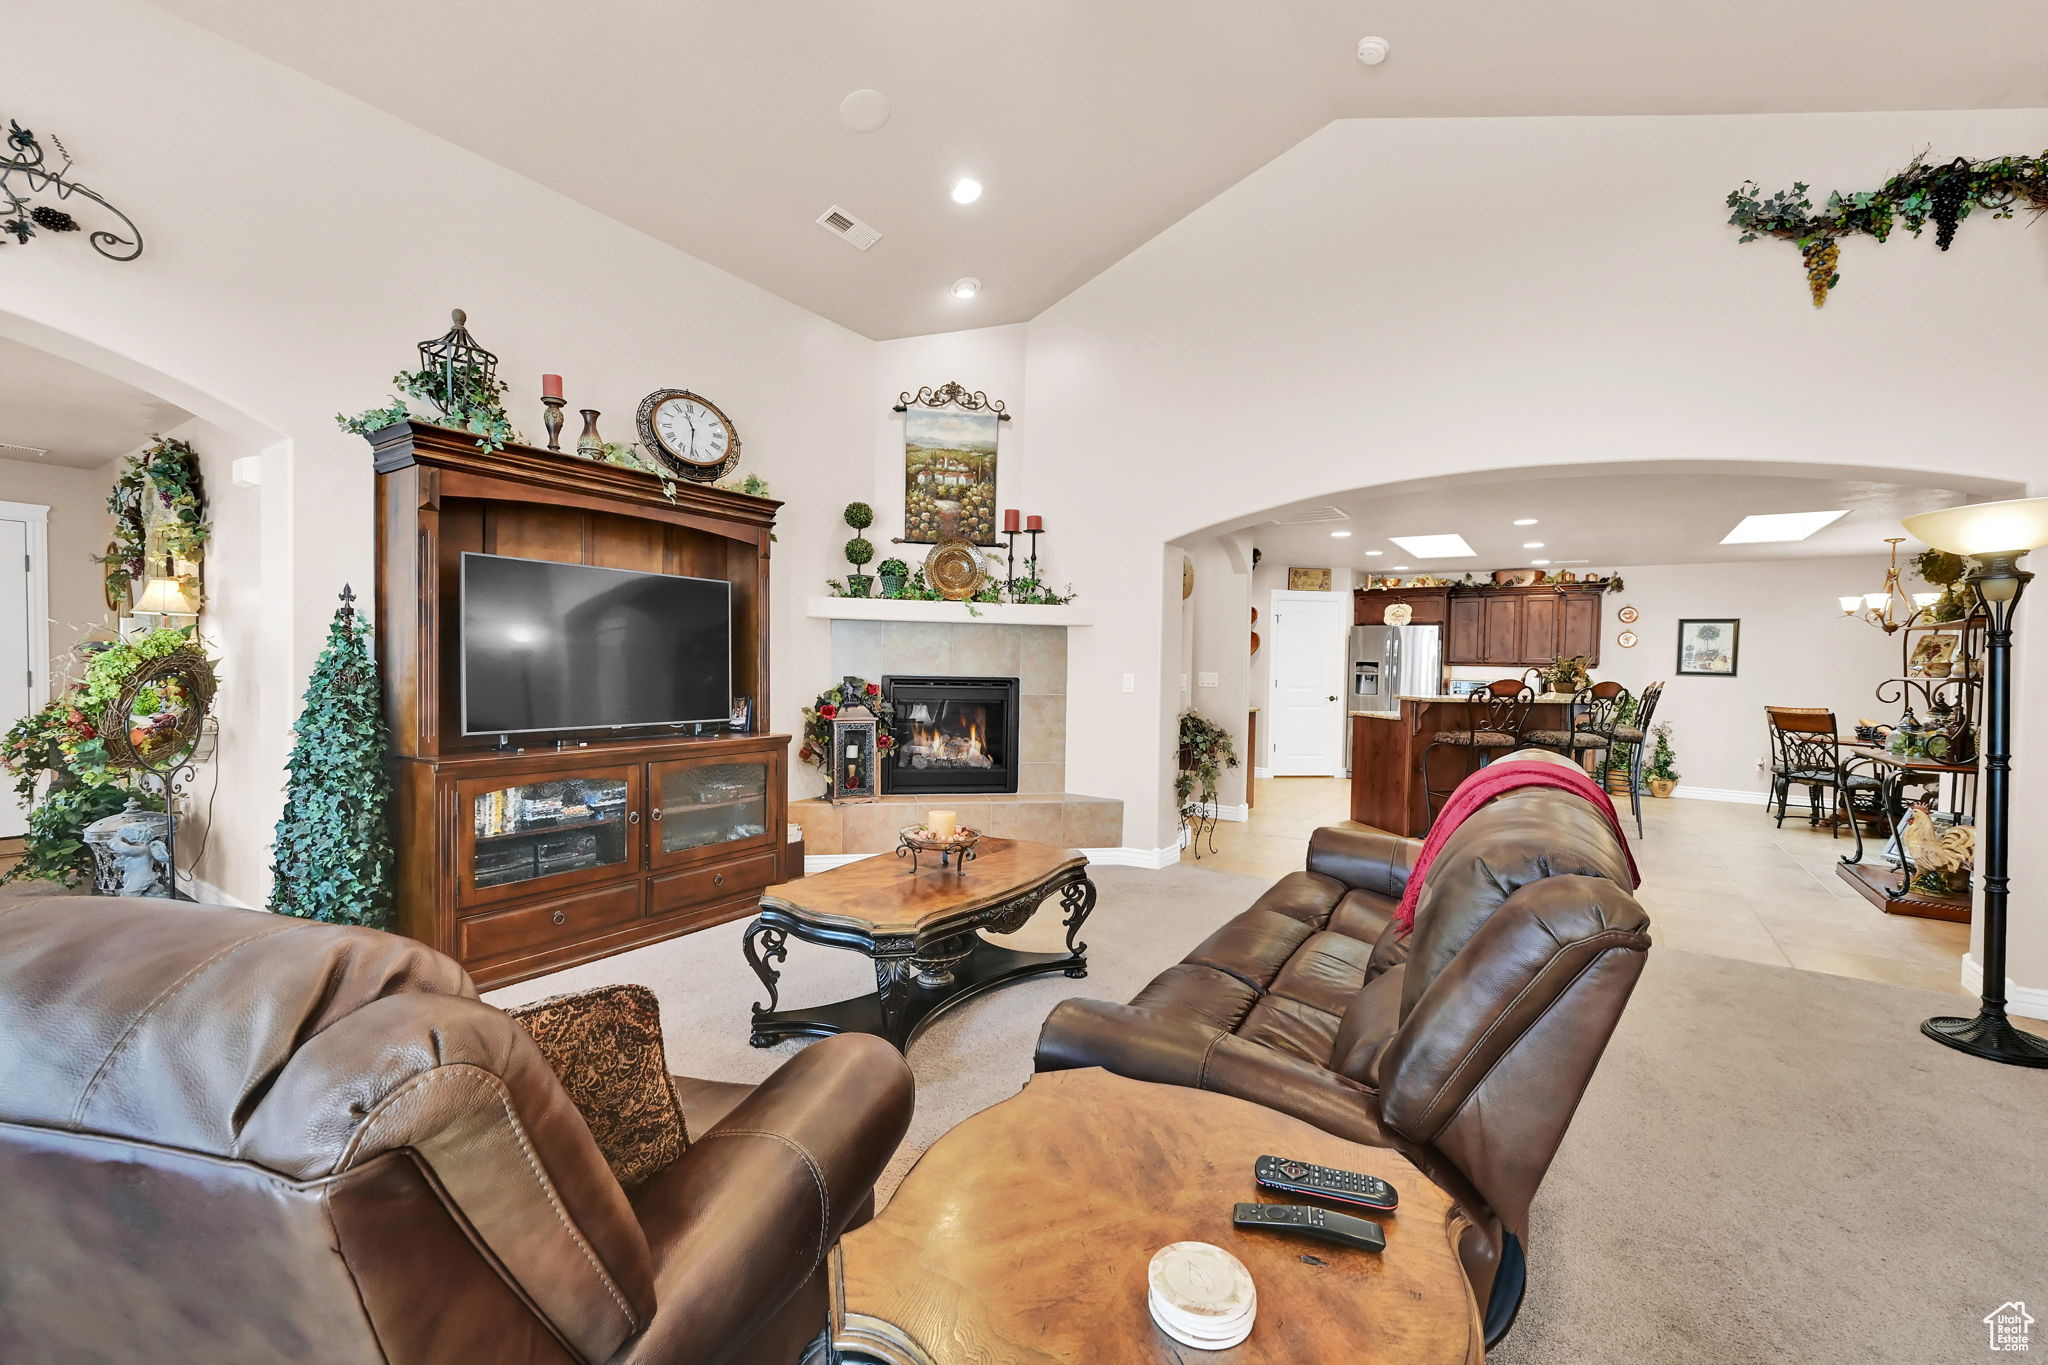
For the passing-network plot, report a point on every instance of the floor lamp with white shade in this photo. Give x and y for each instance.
(1992, 536)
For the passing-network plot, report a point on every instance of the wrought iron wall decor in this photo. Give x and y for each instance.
(951, 395)
(25, 171)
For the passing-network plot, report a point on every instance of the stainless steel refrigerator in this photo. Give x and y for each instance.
(1389, 662)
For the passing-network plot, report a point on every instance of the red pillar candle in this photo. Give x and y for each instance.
(1034, 523)
(551, 386)
(1010, 520)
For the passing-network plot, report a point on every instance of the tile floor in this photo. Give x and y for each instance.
(1717, 878)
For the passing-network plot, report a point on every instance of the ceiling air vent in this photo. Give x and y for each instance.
(840, 223)
(14, 452)
(1308, 516)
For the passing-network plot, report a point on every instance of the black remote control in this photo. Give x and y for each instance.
(1346, 1187)
(1340, 1228)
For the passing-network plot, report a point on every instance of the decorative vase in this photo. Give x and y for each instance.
(858, 584)
(892, 584)
(1663, 786)
(590, 445)
(1617, 781)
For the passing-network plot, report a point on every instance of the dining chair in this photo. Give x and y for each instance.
(1635, 734)
(1806, 751)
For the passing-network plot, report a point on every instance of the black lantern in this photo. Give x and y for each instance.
(467, 371)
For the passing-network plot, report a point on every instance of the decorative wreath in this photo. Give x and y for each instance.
(170, 470)
(818, 717)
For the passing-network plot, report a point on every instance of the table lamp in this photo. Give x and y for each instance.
(163, 597)
(1992, 536)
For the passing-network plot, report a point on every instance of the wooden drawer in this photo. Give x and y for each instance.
(532, 927)
(680, 890)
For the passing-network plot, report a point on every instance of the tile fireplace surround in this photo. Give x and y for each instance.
(1042, 809)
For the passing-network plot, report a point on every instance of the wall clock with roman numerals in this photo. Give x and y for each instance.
(689, 435)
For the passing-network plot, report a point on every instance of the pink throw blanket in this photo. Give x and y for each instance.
(1496, 779)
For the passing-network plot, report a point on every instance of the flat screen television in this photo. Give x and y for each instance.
(552, 647)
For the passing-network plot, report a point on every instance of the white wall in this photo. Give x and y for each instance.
(346, 239)
(1362, 310)
(79, 530)
(1215, 626)
(1796, 649)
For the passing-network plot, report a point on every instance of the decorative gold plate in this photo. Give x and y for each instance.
(1627, 616)
(955, 570)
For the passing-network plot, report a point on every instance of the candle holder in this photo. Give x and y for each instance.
(1031, 563)
(955, 852)
(1010, 561)
(552, 420)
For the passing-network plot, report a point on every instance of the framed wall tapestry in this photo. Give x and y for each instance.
(949, 476)
(1707, 648)
(1308, 580)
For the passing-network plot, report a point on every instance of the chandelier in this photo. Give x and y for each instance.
(1891, 609)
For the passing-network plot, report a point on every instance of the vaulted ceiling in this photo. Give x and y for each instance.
(1093, 124)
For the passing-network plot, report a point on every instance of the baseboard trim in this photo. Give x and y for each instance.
(1262, 773)
(2031, 1001)
(1731, 794)
(206, 893)
(1152, 859)
(1237, 813)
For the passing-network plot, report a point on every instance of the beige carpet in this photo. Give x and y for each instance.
(1771, 1164)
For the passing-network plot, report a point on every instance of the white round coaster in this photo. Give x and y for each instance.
(1201, 1295)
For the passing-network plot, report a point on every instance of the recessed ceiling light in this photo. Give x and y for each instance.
(1771, 528)
(1435, 547)
(1340, 534)
(966, 288)
(1525, 521)
(864, 110)
(1398, 567)
(966, 191)
(1532, 544)
(1539, 562)
(1375, 552)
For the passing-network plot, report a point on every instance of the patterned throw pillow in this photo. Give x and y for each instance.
(605, 1047)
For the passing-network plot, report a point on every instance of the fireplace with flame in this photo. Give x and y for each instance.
(952, 735)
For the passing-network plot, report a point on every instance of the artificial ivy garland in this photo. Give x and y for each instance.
(817, 746)
(1921, 193)
(474, 403)
(171, 469)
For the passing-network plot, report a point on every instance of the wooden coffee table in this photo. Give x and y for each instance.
(922, 928)
(1023, 1236)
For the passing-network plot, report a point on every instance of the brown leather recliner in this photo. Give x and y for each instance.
(228, 1136)
(1465, 1045)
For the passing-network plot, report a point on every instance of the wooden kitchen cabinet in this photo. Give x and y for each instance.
(1369, 605)
(1518, 627)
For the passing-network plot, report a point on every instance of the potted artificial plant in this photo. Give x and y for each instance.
(893, 573)
(1619, 754)
(1568, 675)
(1663, 769)
(860, 549)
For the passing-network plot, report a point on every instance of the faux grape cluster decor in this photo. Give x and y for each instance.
(1944, 195)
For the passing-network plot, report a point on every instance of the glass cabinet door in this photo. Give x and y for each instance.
(707, 807)
(567, 829)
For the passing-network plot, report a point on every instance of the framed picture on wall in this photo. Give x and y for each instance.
(1308, 580)
(1707, 649)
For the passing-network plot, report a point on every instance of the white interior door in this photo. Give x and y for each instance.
(17, 681)
(1308, 710)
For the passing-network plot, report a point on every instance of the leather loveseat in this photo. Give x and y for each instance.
(237, 1138)
(1465, 1045)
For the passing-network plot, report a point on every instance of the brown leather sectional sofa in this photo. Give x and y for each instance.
(1465, 1045)
(237, 1138)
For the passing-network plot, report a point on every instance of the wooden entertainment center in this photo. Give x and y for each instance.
(517, 862)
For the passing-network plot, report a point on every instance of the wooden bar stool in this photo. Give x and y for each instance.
(1494, 719)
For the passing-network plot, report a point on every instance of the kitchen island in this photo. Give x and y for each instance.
(1386, 756)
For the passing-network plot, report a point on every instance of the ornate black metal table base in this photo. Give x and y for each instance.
(914, 984)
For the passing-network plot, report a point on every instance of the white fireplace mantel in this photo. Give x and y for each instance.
(950, 613)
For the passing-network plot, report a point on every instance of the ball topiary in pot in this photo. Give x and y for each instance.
(859, 550)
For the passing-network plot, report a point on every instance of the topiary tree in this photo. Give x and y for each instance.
(333, 858)
(859, 515)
